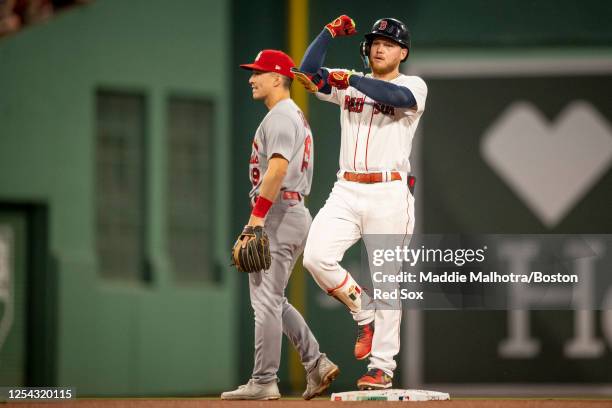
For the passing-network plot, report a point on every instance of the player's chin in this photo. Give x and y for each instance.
(378, 64)
(382, 67)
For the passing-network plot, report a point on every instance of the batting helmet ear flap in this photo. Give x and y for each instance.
(364, 51)
(407, 54)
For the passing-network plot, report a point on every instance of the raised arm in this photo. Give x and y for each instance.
(316, 51)
(315, 54)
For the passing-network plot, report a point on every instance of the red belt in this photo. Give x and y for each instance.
(291, 195)
(285, 195)
(369, 178)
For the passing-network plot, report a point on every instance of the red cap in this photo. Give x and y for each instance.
(272, 61)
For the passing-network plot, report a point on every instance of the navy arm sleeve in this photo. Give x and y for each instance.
(383, 91)
(314, 57)
(315, 53)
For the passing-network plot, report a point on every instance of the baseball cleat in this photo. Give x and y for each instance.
(363, 345)
(320, 377)
(253, 391)
(374, 379)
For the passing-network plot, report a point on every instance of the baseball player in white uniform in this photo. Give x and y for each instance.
(379, 114)
(280, 171)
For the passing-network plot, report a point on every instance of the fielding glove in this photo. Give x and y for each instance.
(251, 252)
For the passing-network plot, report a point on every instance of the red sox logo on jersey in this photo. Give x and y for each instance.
(384, 109)
(355, 104)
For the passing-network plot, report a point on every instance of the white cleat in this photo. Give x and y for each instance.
(253, 391)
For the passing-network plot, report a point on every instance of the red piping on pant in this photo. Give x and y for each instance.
(329, 291)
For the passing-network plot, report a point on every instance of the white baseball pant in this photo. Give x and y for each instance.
(351, 210)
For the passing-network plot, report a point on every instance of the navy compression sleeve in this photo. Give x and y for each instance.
(315, 54)
(383, 91)
(314, 57)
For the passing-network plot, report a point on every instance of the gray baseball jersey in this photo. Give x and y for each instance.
(284, 131)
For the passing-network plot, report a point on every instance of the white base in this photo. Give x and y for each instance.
(390, 395)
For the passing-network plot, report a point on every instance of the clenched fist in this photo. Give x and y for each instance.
(343, 25)
(339, 79)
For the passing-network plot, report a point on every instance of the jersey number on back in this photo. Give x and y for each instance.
(307, 149)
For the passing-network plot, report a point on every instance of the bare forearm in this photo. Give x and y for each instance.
(270, 186)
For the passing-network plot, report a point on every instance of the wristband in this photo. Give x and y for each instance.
(261, 208)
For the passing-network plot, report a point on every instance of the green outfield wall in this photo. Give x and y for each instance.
(151, 336)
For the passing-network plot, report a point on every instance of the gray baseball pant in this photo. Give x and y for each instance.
(287, 227)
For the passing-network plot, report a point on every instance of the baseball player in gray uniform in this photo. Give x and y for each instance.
(280, 170)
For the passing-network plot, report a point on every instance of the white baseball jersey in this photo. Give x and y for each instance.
(377, 137)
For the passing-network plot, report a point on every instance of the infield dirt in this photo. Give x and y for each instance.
(317, 403)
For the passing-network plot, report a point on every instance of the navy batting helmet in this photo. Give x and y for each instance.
(390, 28)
